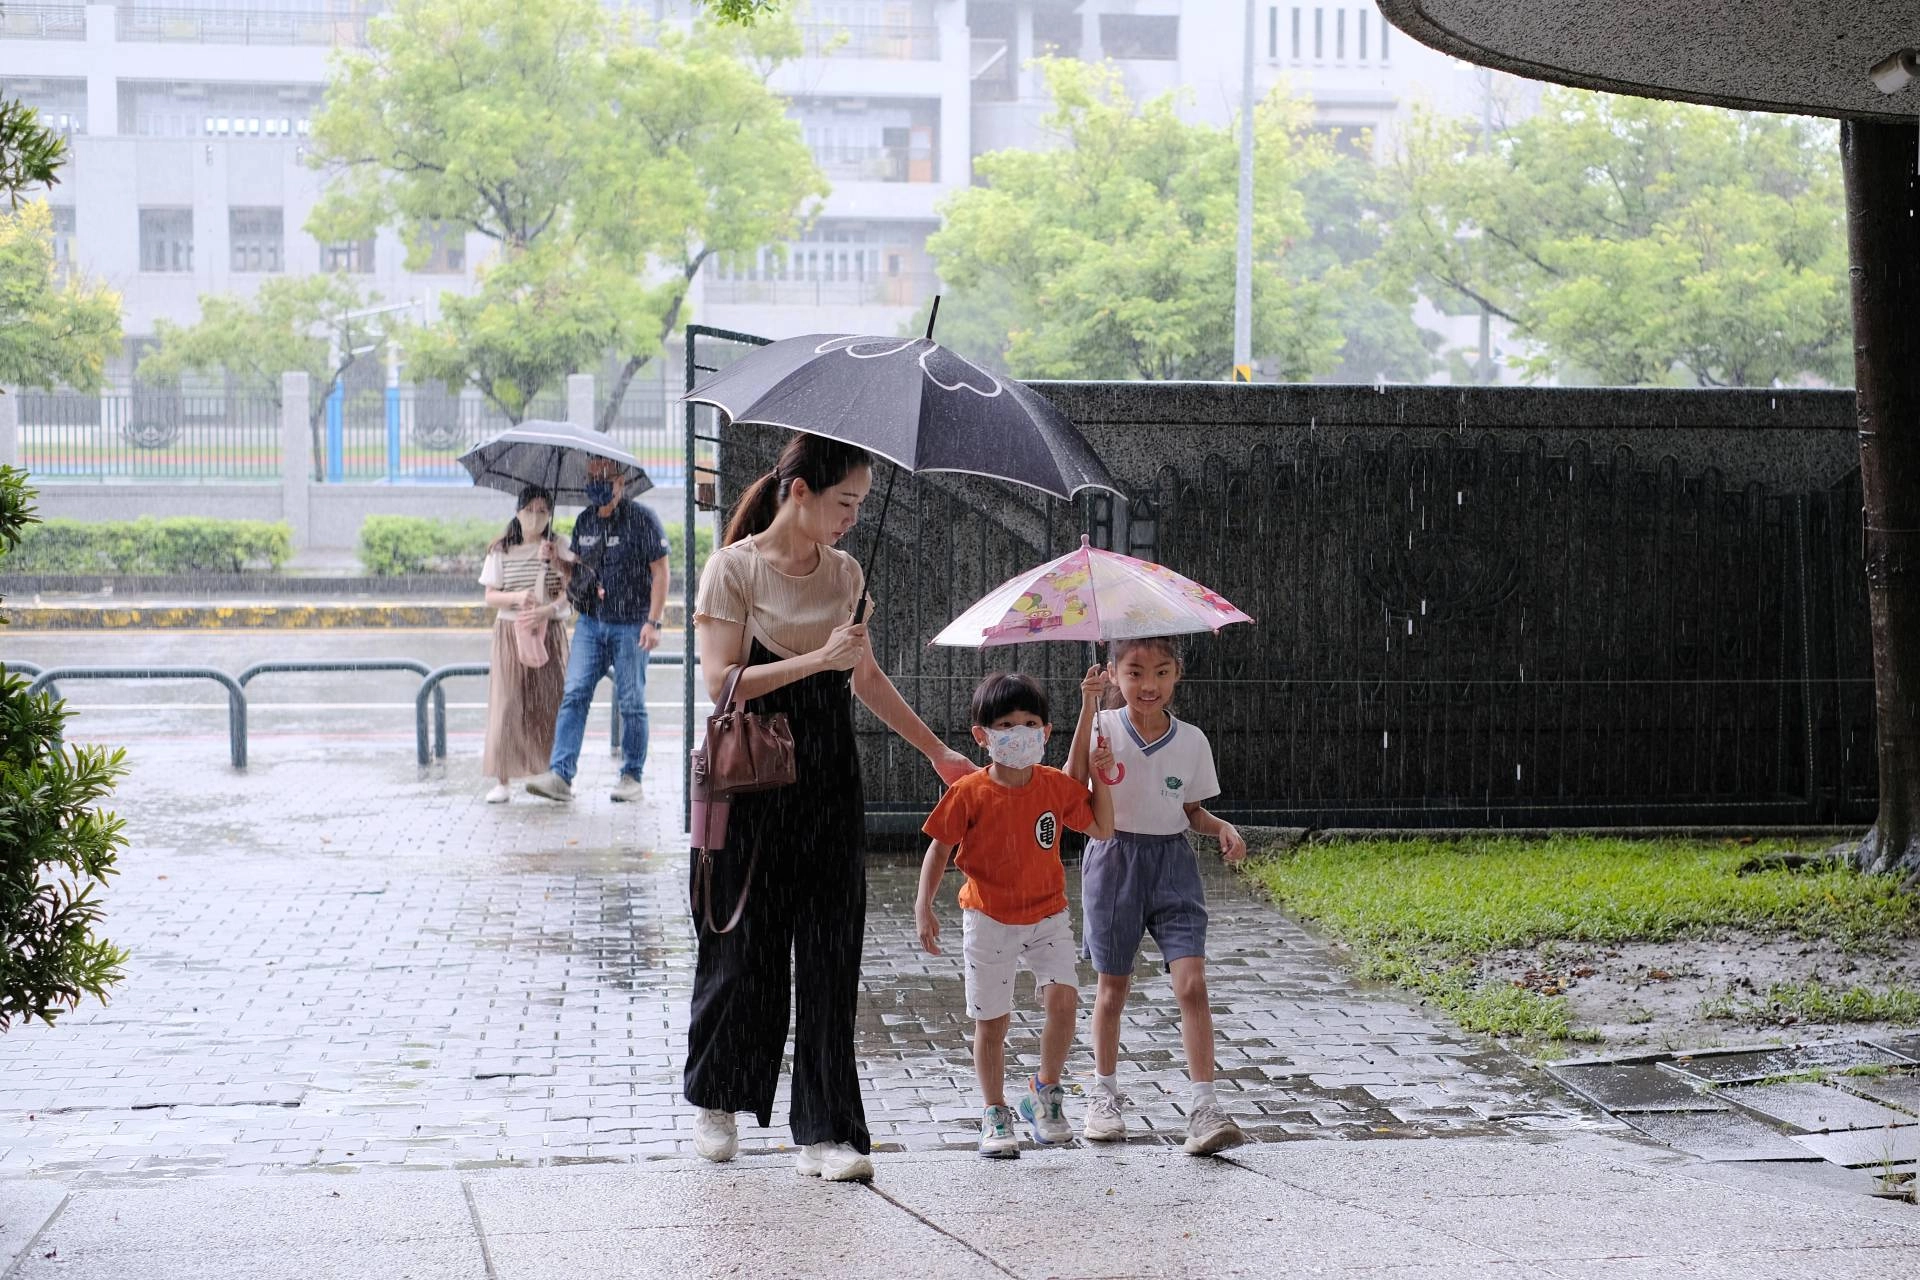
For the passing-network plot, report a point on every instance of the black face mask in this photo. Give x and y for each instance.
(599, 492)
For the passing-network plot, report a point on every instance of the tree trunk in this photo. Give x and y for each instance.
(611, 410)
(1883, 241)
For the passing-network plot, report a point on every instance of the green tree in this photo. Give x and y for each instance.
(1636, 241)
(605, 161)
(1117, 249)
(293, 324)
(1346, 203)
(56, 847)
(53, 330)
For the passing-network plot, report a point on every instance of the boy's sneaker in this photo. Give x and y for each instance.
(716, 1135)
(1044, 1110)
(1106, 1117)
(998, 1141)
(551, 786)
(498, 793)
(627, 790)
(1210, 1130)
(834, 1162)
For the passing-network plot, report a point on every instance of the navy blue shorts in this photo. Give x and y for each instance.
(1134, 885)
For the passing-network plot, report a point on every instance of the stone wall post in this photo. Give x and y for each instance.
(580, 399)
(296, 456)
(9, 426)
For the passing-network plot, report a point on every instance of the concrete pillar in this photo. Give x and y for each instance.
(296, 456)
(580, 399)
(103, 86)
(9, 426)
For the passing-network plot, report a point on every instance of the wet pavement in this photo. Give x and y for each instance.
(341, 961)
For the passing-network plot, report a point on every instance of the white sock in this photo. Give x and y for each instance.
(1110, 1083)
(1202, 1094)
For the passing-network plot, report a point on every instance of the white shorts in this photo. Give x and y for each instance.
(994, 952)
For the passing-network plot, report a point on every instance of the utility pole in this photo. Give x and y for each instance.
(1243, 257)
(1485, 371)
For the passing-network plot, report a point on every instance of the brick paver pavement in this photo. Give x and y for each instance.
(342, 962)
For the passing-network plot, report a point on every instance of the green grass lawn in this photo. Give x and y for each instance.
(1422, 913)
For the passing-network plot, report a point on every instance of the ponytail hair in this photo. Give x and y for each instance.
(513, 536)
(821, 462)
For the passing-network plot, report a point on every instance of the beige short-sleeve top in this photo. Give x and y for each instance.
(789, 615)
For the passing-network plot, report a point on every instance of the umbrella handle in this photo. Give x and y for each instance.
(1119, 773)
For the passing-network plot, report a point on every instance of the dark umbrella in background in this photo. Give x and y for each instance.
(912, 402)
(553, 455)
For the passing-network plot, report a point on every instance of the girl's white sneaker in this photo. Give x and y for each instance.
(499, 793)
(835, 1162)
(716, 1134)
(1106, 1116)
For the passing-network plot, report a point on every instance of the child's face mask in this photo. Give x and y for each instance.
(1020, 747)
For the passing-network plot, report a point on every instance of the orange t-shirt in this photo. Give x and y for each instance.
(1009, 841)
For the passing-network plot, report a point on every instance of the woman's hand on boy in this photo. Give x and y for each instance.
(928, 926)
(952, 766)
(1232, 847)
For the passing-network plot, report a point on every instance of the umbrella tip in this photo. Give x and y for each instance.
(1085, 542)
(933, 316)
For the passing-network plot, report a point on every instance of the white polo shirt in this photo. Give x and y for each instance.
(1162, 777)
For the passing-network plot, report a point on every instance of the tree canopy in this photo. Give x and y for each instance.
(1633, 241)
(1112, 256)
(604, 160)
(56, 328)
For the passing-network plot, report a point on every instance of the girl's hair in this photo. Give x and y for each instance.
(821, 462)
(513, 537)
(1119, 650)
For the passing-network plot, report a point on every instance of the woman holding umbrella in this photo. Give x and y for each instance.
(522, 577)
(779, 598)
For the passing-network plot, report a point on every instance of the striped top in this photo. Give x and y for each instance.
(518, 569)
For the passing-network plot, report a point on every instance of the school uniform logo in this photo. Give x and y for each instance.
(1046, 830)
(1174, 784)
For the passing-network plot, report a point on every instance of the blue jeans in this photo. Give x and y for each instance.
(596, 646)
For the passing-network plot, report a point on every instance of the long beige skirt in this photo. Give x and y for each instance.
(522, 704)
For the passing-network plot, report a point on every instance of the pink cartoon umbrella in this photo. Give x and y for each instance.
(1089, 595)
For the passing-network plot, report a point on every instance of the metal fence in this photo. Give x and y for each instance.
(68, 435)
(325, 26)
(868, 40)
(43, 22)
(1454, 630)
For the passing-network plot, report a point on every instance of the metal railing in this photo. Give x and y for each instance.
(412, 434)
(236, 696)
(871, 164)
(869, 40)
(214, 25)
(71, 435)
(43, 22)
(430, 687)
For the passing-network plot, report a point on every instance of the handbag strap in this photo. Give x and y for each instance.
(727, 688)
(703, 890)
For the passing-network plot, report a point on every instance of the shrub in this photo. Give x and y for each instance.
(56, 848)
(176, 545)
(391, 546)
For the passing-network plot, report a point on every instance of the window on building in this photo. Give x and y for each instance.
(63, 225)
(1340, 36)
(166, 239)
(1296, 33)
(352, 256)
(1384, 28)
(446, 249)
(256, 239)
(1056, 33)
(1140, 35)
(1319, 34)
(1363, 35)
(1273, 32)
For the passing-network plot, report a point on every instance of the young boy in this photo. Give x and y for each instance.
(1005, 821)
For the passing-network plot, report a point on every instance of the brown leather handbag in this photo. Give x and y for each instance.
(744, 752)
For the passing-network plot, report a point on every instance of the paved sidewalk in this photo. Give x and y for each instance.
(1575, 1207)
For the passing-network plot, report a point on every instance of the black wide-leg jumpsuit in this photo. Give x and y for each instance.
(803, 926)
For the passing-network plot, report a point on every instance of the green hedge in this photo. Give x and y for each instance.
(394, 545)
(176, 545)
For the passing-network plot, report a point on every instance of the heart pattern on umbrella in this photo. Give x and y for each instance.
(944, 369)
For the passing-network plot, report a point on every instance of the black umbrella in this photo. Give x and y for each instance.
(913, 402)
(553, 455)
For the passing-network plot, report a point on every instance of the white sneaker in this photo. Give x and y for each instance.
(1210, 1130)
(627, 790)
(1106, 1116)
(716, 1135)
(998, 1141)
(499, 793)
(1044, 1112)
(834, 1162)
(551, 786)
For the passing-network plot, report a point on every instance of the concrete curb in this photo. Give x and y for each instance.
(261, 615)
